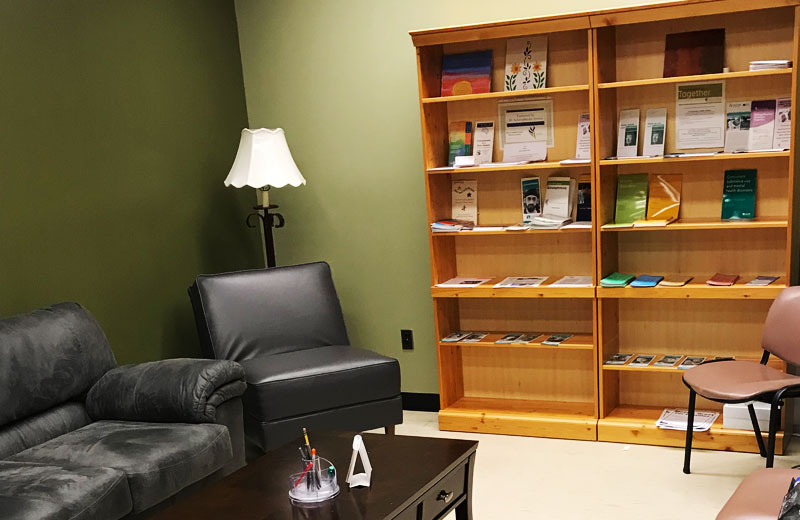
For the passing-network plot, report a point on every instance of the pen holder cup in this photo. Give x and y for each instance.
(315, 484)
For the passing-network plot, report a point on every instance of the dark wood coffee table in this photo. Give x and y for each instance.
(413, 478)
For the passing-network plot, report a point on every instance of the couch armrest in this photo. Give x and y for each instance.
(172, 390)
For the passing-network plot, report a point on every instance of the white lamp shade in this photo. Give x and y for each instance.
(264, 159)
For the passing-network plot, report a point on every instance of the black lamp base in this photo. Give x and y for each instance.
(268, 221)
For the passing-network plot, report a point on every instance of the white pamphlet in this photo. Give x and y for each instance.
(558, 198)
(676, 419)
(628, 138)
(526, 63)
(700, 115)
(465, 200)
(737, 126)
(655, 129)
(521, 281)
(483, 142)
(573, 281)
(359, 479)
(463, 281)
(521, 121)
(583, 147)
(783, 124)
(762, 125)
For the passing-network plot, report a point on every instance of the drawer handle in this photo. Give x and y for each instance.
(444, 495)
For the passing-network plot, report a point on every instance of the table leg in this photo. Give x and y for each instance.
(464, 509)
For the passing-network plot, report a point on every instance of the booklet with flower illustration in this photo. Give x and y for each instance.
(526, 63)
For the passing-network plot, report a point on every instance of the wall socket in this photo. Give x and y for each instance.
(407, 339)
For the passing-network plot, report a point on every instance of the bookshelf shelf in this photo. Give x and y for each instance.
(711, 224)
(508, 95)
(773, 362)
(698, 77)
(738, 291)
(576, 342)
(515, 168)
(600, 63)
(716, 157)
(636, 425)
(488, 291)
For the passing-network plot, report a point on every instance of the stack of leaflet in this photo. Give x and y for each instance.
(770, 64)
(672, 419)
(616, 280)
(450, 225)
(558, 203)
(646, 280)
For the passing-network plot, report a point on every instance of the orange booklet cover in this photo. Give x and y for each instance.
(664, 198)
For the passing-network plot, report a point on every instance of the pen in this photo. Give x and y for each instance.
(305, 436)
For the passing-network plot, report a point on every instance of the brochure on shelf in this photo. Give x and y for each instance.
(531, 199)
(463, 281)
(762, 125)
(583, 147)
(655, 125)
(618, 359)
(573, 281)
(700, 115)
(782, 138)
(667, 361)
(642, 360)
(737, 126)
(465, 200)
(628, 136)
(675, 419)
(483, 142)
(521, 281)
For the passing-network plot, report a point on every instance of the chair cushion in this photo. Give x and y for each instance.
(158, 459)
(46, 492)
(313, 380)
(759, 496)
(736, 380)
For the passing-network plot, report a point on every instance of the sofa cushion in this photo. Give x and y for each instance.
(47, 492)
(158, 459)
(49, 356)
(313, 380)
(42, 427)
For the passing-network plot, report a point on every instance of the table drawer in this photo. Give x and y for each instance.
(444, 493)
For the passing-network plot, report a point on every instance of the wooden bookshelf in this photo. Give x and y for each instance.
(601, 62)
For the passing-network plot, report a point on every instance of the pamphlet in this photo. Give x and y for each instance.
(667, 361)
(531, 199)
(691, 361)
(642, 360)
(455, 337)
(737, 126)
(618, 359)
(556, 339)
(527, 337)
(672, 419)
(655, 125)
(783, 124)
(523, 122)
(526, 63)
(462, 281)
(474, 337)
(509, 338)
(739, 194)
(573, 281)
(762, 280)
(558, 203)
(628, 138)
(583, 148)
(700, 115)
(483, 142)
(521, 281)
(762, 125)
(465, 200)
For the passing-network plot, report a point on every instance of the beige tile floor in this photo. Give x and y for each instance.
(561, 479)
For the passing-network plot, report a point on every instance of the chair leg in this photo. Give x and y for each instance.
(757, 430)
(389, 429)
(774, 418)
(687, 456)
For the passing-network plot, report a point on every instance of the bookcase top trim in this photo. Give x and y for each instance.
(587, 19)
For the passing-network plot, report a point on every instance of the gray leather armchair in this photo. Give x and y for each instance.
(81, 438)
(285, 326)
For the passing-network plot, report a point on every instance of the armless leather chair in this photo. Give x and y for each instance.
(745, 381)
(284, 325)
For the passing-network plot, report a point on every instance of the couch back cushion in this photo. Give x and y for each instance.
(48, 357)
(255, 313)
(36, 429)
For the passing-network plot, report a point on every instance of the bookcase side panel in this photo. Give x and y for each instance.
(793, 231)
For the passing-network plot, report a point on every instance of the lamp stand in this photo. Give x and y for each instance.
(268, 221)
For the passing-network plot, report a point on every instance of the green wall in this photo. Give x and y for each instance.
(340, 78)
(118, 123)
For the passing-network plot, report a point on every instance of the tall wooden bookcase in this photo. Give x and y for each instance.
(600, 63)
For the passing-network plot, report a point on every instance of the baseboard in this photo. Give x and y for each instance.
(420, 402)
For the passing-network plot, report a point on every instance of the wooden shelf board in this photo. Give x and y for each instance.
(713, 224)
(576, 342)
(505, 95)
(697, 289)
(698, 77)
(636, 425)
(488, 291)
(555, 419)
(715, 157)
(543, 165)
(507, 233)
(774, 362)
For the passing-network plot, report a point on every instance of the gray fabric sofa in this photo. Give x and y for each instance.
(81, 438)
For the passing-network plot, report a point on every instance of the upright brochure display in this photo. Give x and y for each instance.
(783, 124)
(526, 129)
(700, 115)
(762, 125)
(465, 200)
(664, 199)
(583, 146)
(631, 199)
(584, 198)
(483, 142)
(737, 126)
(628, 138)
(558, 203)
(655, 125)
(531, 199)
(739, 195)
(460, 134)
(526, 63)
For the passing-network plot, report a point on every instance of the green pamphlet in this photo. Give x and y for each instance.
(616, 280)
(631, 198)
(739, 195)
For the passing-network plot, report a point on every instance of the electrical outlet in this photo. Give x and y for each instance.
(407, 339)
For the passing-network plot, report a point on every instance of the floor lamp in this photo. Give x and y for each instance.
(264, 161)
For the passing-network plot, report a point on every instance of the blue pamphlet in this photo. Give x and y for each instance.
(646, 280)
